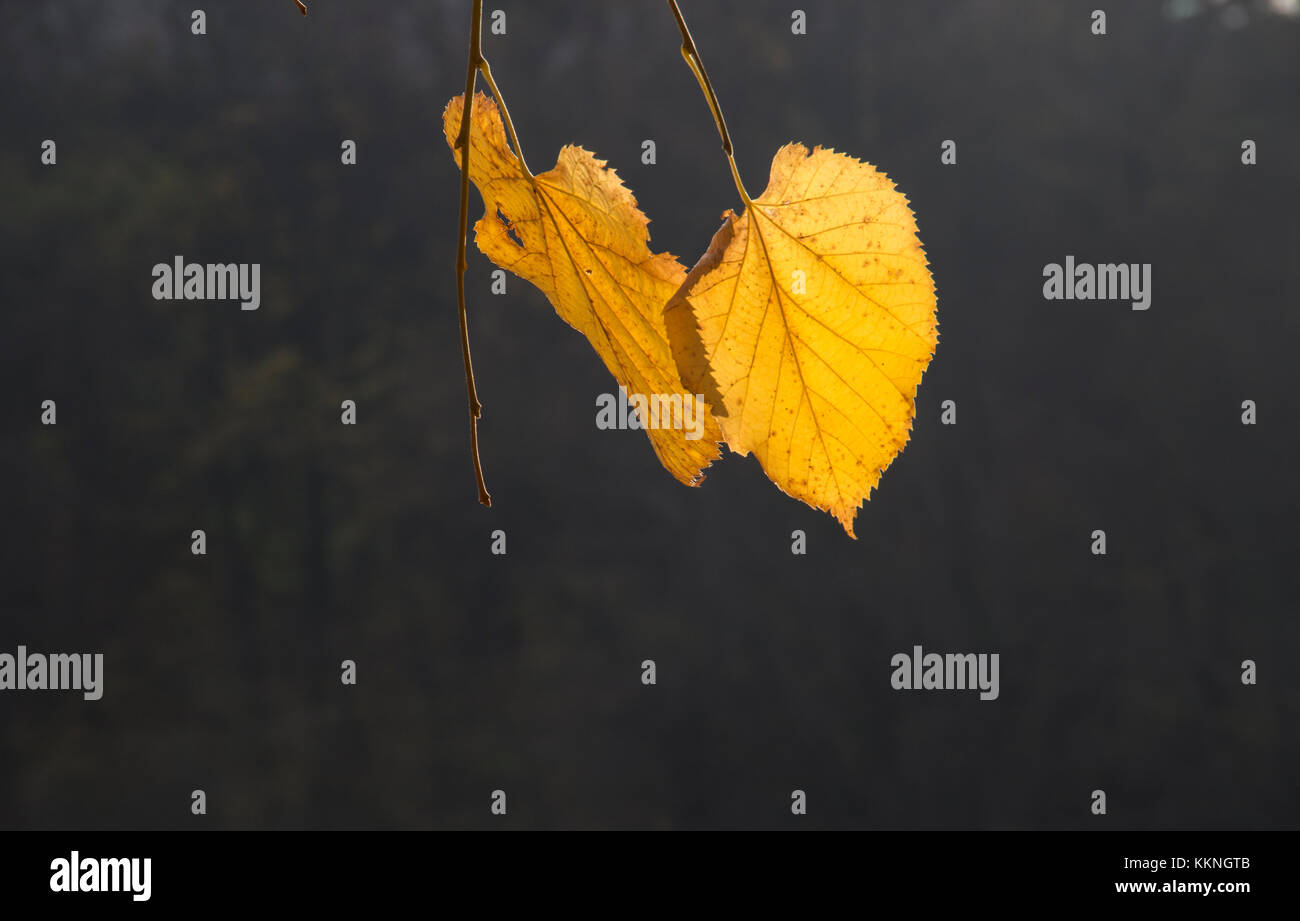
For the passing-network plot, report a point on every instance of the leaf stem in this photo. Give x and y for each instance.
(486, 70)
(462, 263)
(696, 63)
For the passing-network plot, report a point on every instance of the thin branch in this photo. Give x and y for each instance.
(462, 263)
(696, 63)
(302, 6)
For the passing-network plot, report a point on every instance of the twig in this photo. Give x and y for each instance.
(696, 64)
(302, 6)
(462, 264)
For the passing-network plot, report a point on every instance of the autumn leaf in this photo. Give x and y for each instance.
(577, 234)
(808, 323)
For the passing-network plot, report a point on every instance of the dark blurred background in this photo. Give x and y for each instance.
(478, 672)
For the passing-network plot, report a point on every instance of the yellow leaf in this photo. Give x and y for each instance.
(808, 324)
(576, 233)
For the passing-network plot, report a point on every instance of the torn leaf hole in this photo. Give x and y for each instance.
(510, 228)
